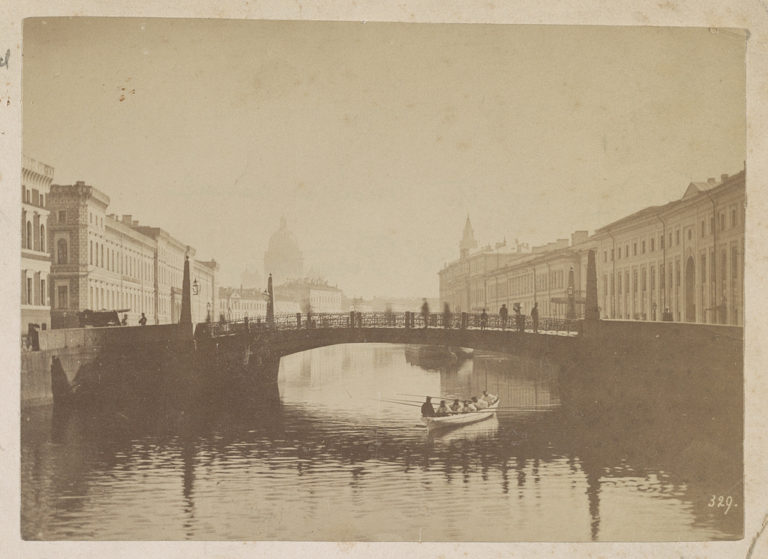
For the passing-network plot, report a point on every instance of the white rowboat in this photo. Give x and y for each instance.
(460, 418)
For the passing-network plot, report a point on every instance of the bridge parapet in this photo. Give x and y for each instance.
(392, 320)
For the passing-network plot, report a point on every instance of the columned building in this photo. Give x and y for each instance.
(36, 181)
(685, 257)
(682, 261)
(105, 262)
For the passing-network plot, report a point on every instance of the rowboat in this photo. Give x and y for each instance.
(460, 418)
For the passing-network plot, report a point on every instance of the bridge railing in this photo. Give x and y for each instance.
(467, 321)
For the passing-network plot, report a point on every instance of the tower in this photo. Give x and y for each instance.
(468, 241)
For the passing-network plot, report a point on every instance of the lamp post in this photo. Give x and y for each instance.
(208, 311)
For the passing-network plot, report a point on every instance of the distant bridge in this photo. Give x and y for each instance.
(289, 334)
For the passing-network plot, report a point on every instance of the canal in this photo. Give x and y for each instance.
(324, 455)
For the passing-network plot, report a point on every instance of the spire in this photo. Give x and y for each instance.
(468, 241)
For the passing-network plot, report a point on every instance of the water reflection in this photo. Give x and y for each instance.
(321, 456)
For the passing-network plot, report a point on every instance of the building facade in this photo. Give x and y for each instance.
(105, 262)
(311, 295)
(683, 261)
(685, 257)
(36, 178)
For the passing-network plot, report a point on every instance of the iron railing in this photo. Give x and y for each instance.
(457, 321)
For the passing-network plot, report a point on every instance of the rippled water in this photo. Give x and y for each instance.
(324, 456)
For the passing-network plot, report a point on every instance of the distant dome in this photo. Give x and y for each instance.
(283, 258)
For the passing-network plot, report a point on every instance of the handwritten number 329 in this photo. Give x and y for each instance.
(721, 501)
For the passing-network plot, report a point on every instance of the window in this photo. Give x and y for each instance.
(662, 280)
(733, 218)
(677, 237)
(711, 225)
(29, 292)
(634, 249)
(634, 281)
(90, 261)
(653, 278)
(102, 256)
(645, 281)
(703, 268)
(734, 264)
(42, 238)
(61, 251)
(626, 251)
(689, 234)
(605, 256)
(677, 274)
(702, 228)
(30, 239)
(42, 292)
(62, 216)
(619, 280)
(653, 242)
(643, 248)
(722, 221)
(661, 241)
(61, 301)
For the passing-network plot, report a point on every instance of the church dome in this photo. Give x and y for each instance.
(283, 258)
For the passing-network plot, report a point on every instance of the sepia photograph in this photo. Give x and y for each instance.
(352, 281)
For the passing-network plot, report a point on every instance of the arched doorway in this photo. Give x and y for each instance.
(690, 279)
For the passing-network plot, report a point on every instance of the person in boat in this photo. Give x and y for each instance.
(469, 406)
(490, 398)
(456, 407)
(443, 410)
(480, 404)
(426, 408)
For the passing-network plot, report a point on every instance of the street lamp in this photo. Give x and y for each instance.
(195, 287)
(208, 311)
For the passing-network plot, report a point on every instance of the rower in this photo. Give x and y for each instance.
(443, 409)
(456, 406)
(426, 408)
(479, 404)
(469, 406)
(490, 398)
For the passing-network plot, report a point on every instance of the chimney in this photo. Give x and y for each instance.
(579, 237)
(80, 183)
(724, 177)
(711, 180)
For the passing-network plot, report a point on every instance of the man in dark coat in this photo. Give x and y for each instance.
(426, 408)
(503, 314)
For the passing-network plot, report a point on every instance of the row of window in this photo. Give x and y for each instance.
(617, 254)
(33, 196)
(28, 240)
(34, 290)
(648, 276)
(111, 260)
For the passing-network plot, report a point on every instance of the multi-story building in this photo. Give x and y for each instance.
(36, 181)
(105, 262)
(237, 304)
(682, 261)
(685, 257)
(311, 295)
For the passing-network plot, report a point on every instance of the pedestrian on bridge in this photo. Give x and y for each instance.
(535, 317)
(143, 320)
(447, 316)
(483, 320)
(425, 313)
(503, 314)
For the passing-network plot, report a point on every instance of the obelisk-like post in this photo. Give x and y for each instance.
(571, 312)
(185, 319)
(270, 303)
(591, 311)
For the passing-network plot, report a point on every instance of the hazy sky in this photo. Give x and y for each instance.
(376, 140)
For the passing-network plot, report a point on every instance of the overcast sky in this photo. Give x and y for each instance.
(376, 140)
